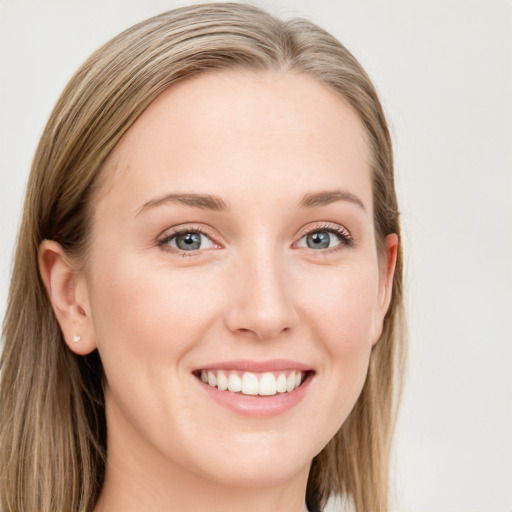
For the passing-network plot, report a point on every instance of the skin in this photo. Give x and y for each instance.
(255, 291)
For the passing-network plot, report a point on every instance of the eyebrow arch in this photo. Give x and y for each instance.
(329, 196)
(202, 201)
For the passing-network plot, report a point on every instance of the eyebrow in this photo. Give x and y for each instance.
(329, 196)
(202, 201)
(214, 203)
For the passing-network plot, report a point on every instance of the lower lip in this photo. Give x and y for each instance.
(256, 405)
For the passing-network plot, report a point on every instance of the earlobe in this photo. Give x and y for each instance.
(68, 296)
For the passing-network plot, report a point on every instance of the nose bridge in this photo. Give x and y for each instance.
(261, 302)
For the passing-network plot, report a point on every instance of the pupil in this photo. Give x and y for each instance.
(189, 241)
(318, 240)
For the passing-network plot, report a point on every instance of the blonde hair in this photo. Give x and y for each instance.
(52, 425)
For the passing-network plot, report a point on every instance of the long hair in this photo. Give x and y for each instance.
(52, 421)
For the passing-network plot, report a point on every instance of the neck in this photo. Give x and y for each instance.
(184, 491)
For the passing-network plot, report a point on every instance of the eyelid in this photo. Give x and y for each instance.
(325, 226)
(170, 233)
(341, 231)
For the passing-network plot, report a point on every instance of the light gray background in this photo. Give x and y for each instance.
(444, 72)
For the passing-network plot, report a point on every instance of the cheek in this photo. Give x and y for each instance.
(342, 316)
(147, 325)
(343, 308)
(155, 314)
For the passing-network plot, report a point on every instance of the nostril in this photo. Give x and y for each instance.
(263, 333)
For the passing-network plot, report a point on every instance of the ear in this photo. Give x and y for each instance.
(67, 291)
(386, 274)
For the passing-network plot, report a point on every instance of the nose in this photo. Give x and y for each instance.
(260, 302)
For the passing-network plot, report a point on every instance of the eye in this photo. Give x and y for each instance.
(326, 238)
(188, 240)
(319, 240)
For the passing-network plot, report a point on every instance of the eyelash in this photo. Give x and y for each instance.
(346, 239)
(173, 233)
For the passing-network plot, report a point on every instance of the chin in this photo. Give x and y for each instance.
(265, 463)
(260, 474)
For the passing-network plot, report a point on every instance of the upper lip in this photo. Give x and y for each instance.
(246, 365)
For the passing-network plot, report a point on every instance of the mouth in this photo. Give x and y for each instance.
(269, 383)
(258, 389)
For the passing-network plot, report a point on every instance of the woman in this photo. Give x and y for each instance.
(205, 304)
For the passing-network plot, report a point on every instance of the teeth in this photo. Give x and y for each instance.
(250, 384)
(266, 384)
(290, 382)
(281, 383)
(234, 383)
(222, 381)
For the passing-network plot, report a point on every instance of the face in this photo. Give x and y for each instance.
(233, 243)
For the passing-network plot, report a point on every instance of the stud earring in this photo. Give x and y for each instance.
(76, 338)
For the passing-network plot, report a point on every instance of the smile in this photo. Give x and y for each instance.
(260, 389)
(251, 383)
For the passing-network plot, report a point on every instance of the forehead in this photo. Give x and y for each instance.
(219, 132)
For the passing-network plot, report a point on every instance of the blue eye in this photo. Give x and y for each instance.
(319, 240)
(322, 239)
(188, 241)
